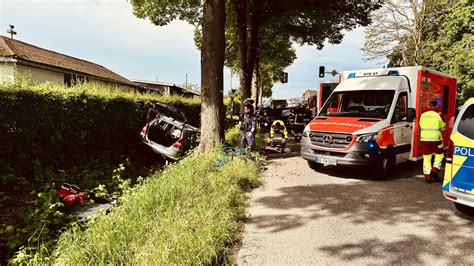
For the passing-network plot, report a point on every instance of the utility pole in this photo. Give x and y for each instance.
(186, 80)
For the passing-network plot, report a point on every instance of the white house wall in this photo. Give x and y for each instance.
(7, 73)
(38, 75)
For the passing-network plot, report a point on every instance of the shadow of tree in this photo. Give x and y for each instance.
(402, 200)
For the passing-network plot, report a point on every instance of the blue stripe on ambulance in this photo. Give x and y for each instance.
(463, 179)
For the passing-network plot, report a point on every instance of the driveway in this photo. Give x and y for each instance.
(339, 216)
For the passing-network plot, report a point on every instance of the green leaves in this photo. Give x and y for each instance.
(450, 47)
(162, 13)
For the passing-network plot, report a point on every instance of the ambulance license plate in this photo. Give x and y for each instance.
(326, 161)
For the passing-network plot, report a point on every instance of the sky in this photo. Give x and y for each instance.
(107, 33)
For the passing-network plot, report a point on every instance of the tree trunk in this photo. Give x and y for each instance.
(253, 52)
(212, 75)
(240, 7)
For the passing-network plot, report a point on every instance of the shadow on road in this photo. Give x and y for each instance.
(403, 170)
(403, 200)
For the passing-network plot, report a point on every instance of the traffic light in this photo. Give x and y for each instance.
(321, 71)
(284, 77)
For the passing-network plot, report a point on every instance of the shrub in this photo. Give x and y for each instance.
(232, 137)
(51, 134)
(186, 215)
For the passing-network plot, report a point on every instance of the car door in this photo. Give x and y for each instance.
(463, 152)
(401, 128)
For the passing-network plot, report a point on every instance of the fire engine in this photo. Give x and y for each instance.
(370, 119)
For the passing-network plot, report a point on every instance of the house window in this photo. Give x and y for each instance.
(68, 80)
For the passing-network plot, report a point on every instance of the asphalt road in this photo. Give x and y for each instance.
(339, 217)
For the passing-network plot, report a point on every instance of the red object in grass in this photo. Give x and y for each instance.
(71, 195)
(73, 200)
(67, 189)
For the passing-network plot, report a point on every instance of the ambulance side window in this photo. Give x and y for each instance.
(465, 123)
(400, 112)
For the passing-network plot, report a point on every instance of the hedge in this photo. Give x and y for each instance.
(185, 216)
(72, 128)
(50, 133)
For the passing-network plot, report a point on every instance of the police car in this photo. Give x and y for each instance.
(458, 185)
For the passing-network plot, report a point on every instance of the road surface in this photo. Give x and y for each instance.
(339, 217)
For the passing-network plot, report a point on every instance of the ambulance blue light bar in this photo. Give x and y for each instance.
(374, 73)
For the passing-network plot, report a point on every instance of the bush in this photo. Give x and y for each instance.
(186, 215)
(232, 137)
(51, 134)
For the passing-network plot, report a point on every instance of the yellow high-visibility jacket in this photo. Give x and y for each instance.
(431, 126)
(282, 129)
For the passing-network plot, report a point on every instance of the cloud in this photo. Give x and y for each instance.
(106, 32)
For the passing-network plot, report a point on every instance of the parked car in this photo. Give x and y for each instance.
(458, 185)
(167, 132)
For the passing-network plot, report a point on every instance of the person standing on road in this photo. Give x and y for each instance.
(432, 127)
(248, 126)
(278, 127)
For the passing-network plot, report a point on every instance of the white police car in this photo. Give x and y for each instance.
(458, 185)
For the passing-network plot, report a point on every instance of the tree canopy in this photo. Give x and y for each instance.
(311, 22)
(450, 45)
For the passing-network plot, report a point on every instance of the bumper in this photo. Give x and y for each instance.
(459, 197)
(160, 149)
(359, 154)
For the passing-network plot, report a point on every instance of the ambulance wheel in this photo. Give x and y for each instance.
(464, 209)
(315, 166)
(382, 170)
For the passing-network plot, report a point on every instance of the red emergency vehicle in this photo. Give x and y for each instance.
(370, 118)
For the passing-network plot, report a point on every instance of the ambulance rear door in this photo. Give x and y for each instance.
(432, 86)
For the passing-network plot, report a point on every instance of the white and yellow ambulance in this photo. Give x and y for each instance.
(458, 185)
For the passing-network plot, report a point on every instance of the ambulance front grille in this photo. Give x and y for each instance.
(330, 140)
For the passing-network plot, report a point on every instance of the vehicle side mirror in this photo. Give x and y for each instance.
(411, 114)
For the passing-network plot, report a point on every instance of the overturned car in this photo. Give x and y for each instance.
(167, 133)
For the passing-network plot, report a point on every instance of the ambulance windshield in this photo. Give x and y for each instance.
(363, 103)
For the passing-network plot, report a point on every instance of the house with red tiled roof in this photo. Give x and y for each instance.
(41, 65)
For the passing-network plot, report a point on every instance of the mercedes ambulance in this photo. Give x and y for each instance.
(371, 118)
(458, 185)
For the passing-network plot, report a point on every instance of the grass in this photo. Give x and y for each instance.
(232, 137)
(186, 215)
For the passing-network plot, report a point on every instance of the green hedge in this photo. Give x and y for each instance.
(72, 128)
(185, 216)
(50, 134)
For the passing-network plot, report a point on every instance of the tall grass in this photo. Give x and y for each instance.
(232, 137)
(186, 215)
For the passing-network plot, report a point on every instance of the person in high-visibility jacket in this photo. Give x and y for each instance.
(278, 127)
(431, 137)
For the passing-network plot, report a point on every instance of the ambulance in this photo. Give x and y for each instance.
(458, 185)
(370, 119)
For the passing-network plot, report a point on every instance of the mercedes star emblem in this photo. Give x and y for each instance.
(327, 139)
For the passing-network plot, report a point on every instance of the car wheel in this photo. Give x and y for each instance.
(464, 209)
(314, 165)
(382, 170)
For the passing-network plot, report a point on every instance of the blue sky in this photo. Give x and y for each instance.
(106, 32)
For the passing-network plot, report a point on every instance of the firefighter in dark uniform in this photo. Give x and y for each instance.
(248, 126)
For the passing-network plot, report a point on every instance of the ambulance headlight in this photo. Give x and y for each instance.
(306, 131)
(364, 138)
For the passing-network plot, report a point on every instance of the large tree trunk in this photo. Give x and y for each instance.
(253, 48)
(212, 75)
(240, 7)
